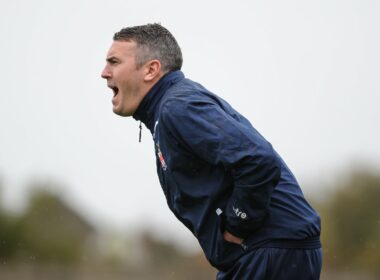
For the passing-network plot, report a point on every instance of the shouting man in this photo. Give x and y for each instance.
(221, 178)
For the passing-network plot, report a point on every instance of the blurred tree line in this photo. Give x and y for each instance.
(49, 233)
(50, 240)
(351, 223)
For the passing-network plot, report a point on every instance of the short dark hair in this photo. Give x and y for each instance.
(154, 42)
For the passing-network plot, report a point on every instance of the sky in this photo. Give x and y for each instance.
(305, 73)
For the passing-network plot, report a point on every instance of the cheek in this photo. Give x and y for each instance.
(125, 87)
(120, 72)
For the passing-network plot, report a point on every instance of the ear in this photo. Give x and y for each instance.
(152, 70)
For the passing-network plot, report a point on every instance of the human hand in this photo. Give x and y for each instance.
(232, 238)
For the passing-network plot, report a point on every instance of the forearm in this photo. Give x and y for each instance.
(248, 205)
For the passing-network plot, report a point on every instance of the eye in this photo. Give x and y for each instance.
(113, 61)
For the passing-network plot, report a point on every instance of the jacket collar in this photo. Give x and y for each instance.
(148, 106)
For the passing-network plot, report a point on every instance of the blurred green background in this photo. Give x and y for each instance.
(49, 239)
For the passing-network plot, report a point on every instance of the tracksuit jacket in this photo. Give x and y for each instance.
(218, 173)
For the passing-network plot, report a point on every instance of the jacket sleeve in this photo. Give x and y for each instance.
(219, 138)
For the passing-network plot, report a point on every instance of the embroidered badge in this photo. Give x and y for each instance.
(161, 157)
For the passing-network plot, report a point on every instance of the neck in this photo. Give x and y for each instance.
(148, 106)
(150, 84)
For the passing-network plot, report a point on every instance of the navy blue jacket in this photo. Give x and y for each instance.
(218, 173)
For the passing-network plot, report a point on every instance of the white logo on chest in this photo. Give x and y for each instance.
(154, 130)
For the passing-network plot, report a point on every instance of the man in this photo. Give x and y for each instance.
(221, 178)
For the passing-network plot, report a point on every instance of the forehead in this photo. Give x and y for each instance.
(122, 49)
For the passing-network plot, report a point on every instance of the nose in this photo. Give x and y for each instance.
(106, 74)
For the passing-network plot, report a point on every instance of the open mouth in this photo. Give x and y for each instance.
(115, 90)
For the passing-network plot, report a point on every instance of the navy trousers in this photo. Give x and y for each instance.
(276, 264)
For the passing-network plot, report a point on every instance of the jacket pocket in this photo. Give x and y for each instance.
(222, 254)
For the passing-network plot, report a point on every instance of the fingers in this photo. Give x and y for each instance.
(232, 238)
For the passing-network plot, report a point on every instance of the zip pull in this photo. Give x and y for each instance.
(140, 132)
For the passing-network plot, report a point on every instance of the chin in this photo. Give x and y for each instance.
(121, 113)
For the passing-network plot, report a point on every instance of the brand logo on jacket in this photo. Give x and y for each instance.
(239, 213)
(161, 157)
